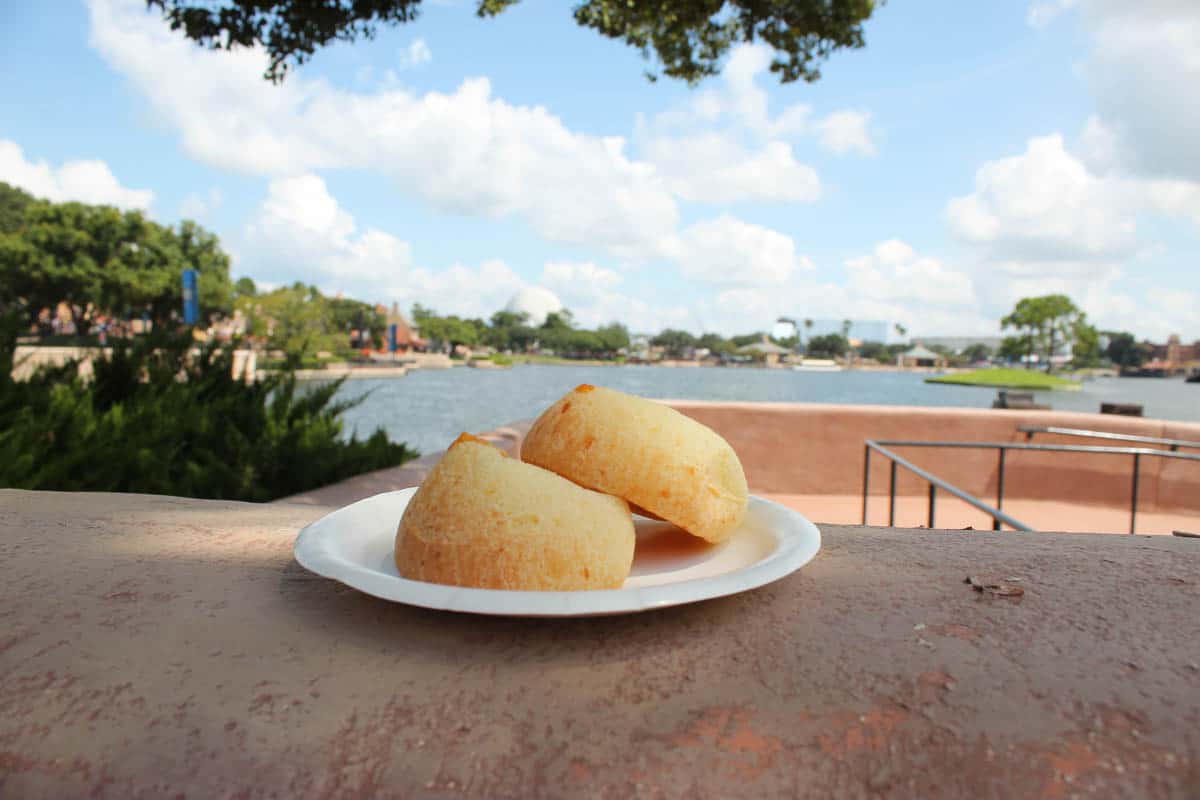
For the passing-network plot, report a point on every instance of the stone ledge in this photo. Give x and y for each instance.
(159, 645)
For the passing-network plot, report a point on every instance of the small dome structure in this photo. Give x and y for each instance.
(536, 301)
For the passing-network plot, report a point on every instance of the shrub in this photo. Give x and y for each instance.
(158, 418)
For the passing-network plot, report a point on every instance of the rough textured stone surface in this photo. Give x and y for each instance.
(160, 647)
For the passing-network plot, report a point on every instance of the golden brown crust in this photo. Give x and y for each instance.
(642, 451)
(483, 520)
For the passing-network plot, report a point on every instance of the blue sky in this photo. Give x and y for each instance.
(970, 155)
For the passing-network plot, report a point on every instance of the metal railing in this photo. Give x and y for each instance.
(1171, 444)
(997, 514)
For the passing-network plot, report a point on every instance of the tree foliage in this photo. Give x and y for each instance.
(301, 321)
(876, 350)
(1050, 322)
(675, 342)
(508, 331)
(451, 330)
(108, 261)
(1124, 350)
(831, 345)
(716, 343)
(161, 418)
(977, 352)
(13, 202)
(686, 38)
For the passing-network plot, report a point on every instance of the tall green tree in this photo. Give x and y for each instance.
(1124, 350)
(1049, 321)
(103, 260)
(1085, 344)
(875, 350)
(13, 202)
(830, 345)
(977, 352)
(675, 342)
(509, 330)
(688, 39)
(293, 319)
(613, 337)
(1015, 348)
(715, 343)
(451, 331)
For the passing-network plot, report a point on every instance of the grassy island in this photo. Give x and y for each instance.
(1007, 378)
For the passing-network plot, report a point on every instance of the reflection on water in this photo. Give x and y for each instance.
(428, 408)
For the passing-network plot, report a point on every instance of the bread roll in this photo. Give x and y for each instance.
(485, 520)
(649, 454)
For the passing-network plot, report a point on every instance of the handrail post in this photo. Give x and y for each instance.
(866, 479)
(1137, 460)
(892, 498)
(932, 501)
(999, 488)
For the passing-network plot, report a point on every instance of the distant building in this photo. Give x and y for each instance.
(920, 356)
(957, 344)
(407, 335)
(1174, 357)
(769, 352)
(861, 330)
(535, 301)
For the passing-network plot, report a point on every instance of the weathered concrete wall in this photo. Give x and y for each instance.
(163, 647)
(27, 359)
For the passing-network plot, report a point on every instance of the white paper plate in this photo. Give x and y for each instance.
(355, 545)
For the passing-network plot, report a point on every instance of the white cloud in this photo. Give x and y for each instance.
(727, 250)
(85, 181)
(462, 290)
(197, 206)
(466, 151)
(584, 275)
(725, 145)
(301, 233)
(846, 132)
(1043, 12)
(416, 54)
(715, 168)
(1045, 206)
(895, 273)
(594, 296)
(738, 310)
(744, 100)
(1175, 198)
(1179, 308)
(1143, 69)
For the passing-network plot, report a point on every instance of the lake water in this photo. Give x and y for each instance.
(429, 408)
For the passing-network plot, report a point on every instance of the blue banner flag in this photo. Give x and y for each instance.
(191, 296)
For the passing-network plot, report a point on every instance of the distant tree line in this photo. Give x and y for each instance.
(507, 331)
(301, 321)
(101, 261)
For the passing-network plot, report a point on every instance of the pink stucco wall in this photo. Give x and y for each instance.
(818, 449)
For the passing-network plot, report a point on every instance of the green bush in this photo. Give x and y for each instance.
(159, 419)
